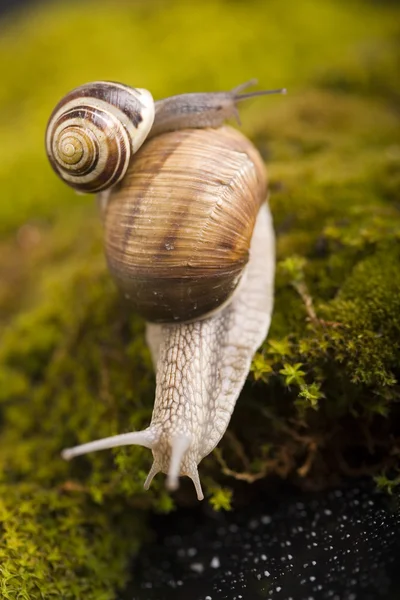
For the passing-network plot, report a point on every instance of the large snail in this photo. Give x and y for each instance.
(188, 240)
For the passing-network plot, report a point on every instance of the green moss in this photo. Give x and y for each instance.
(388, 484)
(221, 498)
(55, 547)
(322, 399)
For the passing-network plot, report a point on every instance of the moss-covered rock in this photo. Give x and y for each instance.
(322, 398)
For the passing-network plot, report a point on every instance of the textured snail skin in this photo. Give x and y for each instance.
(201, 369)
(202, 366)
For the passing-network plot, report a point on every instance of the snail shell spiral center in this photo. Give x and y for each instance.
(70, 149)
(76, 150)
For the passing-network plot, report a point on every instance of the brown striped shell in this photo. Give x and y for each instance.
(179, 225)
(93, 132)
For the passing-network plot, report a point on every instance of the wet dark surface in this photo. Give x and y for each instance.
(338, 545)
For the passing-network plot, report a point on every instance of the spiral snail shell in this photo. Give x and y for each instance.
(93, 132)
(189, 241)
(194, 230)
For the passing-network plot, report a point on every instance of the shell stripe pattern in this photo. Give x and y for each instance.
(187, 207)
(94, 131)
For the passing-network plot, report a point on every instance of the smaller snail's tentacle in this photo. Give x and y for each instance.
(146, 438)
(152, 473)
(240, 97)
(179, 445)
(243, 86)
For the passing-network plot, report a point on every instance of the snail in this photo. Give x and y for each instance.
(188, 240)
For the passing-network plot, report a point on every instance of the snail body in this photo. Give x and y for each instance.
(94, 131)
(194, 404)
(189, 241)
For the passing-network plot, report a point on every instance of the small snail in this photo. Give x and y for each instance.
(188, 240)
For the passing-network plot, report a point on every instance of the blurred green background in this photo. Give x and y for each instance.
(167, 47)
(323, 395)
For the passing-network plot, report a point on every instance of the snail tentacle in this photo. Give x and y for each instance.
(179, 445)
(155, 469)
(146, 438)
